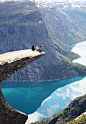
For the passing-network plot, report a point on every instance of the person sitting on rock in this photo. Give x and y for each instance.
(40, 49)
(33, 48)
(37, 48)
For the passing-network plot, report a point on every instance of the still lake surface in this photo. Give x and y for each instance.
(43, 99)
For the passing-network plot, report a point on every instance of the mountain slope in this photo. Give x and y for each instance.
(74, 109)
(21, 26)
(9, 63)
(79, 18)
(62, 30)
(77, 106)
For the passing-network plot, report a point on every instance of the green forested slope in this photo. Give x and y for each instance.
(62, 30)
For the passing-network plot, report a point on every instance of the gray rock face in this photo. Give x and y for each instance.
(21, 26)
(9, 115)
(10, 63)
(13, 63)
(19, 30)
(58, 19)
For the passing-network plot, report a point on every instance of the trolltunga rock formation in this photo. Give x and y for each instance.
(9, 63)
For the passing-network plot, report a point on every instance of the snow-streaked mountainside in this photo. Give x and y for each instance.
(80, 2)
(62, 5)
(83, 2)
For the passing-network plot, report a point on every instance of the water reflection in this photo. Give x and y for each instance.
(43, 99)
(58, 100)
(28, 96)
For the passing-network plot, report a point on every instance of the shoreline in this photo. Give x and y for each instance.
(59, 78)
(75, 44)
(74, 52)
(63, 79)
(49, 80)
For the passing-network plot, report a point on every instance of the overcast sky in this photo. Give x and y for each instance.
(71, 1)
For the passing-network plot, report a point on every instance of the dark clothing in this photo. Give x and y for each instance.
(40, 49)
(33, 48)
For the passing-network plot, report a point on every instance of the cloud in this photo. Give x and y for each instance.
(34, 117)
(54, 107)
(58, 100)
(51, 110)
(46, 100)
(73, 90)
(64, 94)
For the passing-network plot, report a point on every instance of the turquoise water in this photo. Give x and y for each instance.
(59, 99)
(43, 99)
(71, 47)
(28, 96)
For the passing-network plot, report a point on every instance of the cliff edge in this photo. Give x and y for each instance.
(13, 61)
(9, 63)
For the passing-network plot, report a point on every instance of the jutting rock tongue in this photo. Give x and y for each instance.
(10, 63)
(9, 115)
(13, 61)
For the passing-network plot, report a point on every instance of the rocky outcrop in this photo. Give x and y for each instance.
(21, 26)
(74, 109)
(9, 115)
(10, 63)
(13, 61)
(80, 116)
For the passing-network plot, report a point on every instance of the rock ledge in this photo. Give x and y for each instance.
(10, 63)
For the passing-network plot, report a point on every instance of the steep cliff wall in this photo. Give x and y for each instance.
(13, 61)
(21, 26)
(9, 115)
(10, 63)
(62, 30)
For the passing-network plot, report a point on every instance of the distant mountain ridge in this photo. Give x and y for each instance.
(21, 26)
(55, 2)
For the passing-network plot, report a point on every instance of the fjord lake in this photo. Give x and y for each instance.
(41, 100)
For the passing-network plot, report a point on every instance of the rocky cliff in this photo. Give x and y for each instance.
(9, 115)
(21, 26)
(10, 63)
(74, 109)
(13, 61)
